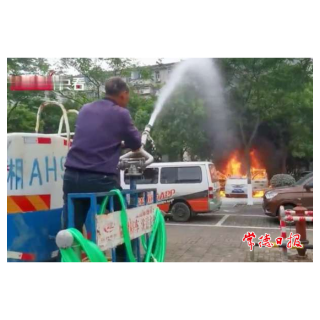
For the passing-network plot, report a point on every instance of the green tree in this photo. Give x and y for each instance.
(22, 121)
(140, 109)
(15, 99)
(20, 66)
(95, 74)
(300, 143)
(290, 112)
(95, 71)
(180, 126)
(265, 90)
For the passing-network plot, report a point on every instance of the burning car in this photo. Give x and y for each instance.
(259, 181)
(236, 186)
(236, 183)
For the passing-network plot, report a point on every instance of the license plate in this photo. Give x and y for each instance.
(237, 191)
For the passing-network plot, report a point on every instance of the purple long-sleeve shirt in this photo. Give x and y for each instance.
(100, 128)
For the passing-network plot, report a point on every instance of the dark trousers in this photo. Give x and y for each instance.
(76, 181)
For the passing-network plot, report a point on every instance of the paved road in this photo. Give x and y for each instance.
(229, 202)
(239, 216)
(218, 236)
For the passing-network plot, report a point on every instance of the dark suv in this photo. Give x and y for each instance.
(289, 197)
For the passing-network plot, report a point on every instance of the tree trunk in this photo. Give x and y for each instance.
(181, 154)
(98, 92)
(284, 157)
(284, 153)
(248, 168)
(247, 143)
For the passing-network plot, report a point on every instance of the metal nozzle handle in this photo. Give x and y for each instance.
(149, 158)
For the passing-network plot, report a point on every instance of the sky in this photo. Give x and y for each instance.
(152, 61)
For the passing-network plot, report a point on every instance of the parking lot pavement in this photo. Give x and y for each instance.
(241, 208)
(217, 237)
(230, 202)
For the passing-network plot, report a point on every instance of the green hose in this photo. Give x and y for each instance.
(92, 251)
(155, 249)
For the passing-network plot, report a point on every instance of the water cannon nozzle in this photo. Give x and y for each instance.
(148, 127)
(145, 134)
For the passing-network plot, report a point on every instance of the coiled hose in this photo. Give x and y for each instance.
(154, 250)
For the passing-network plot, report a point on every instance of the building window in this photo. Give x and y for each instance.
(157, 76)
(135, 75)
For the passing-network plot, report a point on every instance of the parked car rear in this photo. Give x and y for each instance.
(236, 186)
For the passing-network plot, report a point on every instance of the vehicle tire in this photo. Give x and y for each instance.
(180, 212)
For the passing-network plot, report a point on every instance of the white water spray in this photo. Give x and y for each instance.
(203, 71)
(205, 77)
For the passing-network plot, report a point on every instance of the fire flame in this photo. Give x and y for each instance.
(257, 169)
(222, 193)
(235, 168)
(258, 194)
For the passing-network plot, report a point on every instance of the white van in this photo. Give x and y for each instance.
(183, 188)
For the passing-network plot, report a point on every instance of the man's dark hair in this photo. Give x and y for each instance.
(115, 85)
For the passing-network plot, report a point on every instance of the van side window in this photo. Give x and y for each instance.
(150, 176)
(181, 175)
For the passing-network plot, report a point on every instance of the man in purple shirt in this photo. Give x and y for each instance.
(91, 164)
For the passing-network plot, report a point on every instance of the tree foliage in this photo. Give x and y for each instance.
(274, 94)
(180, 126)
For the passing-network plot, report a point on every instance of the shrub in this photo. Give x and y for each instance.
(282, 180)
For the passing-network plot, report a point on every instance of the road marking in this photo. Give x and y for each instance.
(222, 226)
(222, 220)
(235, 214)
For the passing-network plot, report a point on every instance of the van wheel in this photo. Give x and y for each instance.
(180, 212)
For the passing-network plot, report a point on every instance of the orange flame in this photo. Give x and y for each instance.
(255, 163)
(258, 194)
(235, 167)
(222, 193)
